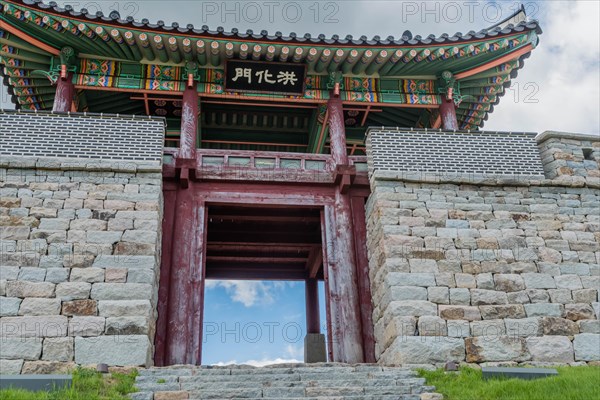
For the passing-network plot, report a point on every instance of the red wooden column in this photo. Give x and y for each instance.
(189, 121)
(337, 131)
(448, 115)
(364, 282)
(65, 91)
(183, 344)
(313, 318)
(343, 289)
(160, 341)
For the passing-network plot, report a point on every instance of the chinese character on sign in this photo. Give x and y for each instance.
(287, 77)
(267, 76)
(243, 73)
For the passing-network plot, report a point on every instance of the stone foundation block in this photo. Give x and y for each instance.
(501, 348)
(550, 349)
(424, 350)
(10, 367)
(39, 306)
(587, 347)
(21, 348)
(58, 349)
(113, 350)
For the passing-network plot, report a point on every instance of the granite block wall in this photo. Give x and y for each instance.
(80, 243)
(495, 266)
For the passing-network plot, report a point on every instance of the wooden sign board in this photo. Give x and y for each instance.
(265, 77)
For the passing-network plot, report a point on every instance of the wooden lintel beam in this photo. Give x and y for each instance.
(253, 245)
(249, 274)
(256, 260)
(265, 218)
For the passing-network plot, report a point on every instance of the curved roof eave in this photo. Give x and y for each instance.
(114, 19)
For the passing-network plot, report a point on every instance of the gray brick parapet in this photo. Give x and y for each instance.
(80, 234)
(454, 153)
(81, 135)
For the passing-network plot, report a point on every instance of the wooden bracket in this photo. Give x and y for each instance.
(344, 177)
(184, 178)
(186, 170)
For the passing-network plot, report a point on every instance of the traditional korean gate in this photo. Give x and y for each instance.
(183, 269)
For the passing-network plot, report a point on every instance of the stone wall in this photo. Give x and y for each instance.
(486, 267)
(80, 244)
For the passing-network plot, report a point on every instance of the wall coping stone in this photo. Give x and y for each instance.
(71, 164)
(86, 114)
(486, 180)
(542, 137)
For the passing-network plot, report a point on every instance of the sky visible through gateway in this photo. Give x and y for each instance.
(255, 322)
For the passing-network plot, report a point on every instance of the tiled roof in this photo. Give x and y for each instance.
(407, 38)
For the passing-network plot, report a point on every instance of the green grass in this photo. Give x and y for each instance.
(572, 383)
(87, 385)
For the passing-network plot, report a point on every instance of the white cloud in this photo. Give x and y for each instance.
(259, 363)
(249, 293)
(294, 351)
(564, 69)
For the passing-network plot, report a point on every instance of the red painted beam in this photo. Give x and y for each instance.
(272, 247)
(65, 92)
(494, 63)
(252, 274)
(313, 318)
(266, 218)
(256, 260)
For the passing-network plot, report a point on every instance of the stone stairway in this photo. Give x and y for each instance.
(327, 381)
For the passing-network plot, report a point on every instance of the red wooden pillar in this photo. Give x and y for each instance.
(337, 131)
(313, 318)
(160, 341)
(65, 91)
(364, 282)
(186, 284)
(448, 115)
(189, 122)
(342, 277)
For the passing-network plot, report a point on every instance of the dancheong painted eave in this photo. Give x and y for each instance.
(117, 54)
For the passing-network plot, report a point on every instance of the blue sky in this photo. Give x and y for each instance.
(255, 323)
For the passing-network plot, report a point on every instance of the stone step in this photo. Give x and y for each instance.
(322, 382)
(195, 385)
(248, 370)
(287, 392)
(309, 376)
